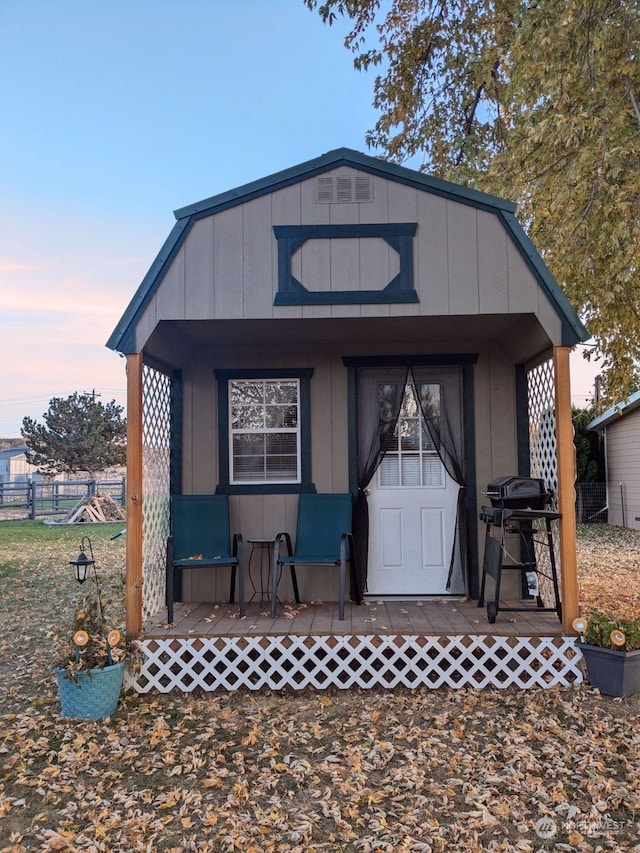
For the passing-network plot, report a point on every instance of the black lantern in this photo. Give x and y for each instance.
(82, 562)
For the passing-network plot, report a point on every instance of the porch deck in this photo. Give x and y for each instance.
(388, 644)
(438, 617)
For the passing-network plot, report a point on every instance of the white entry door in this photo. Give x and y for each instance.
(412, 502)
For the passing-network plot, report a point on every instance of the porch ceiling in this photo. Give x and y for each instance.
(520, 335)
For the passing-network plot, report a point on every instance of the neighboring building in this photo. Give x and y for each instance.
(620, 429)
(14, 467)
(286, 323)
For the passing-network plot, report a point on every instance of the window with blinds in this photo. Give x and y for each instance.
(264, 423)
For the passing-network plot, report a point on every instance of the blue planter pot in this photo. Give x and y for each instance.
(93, 695)
(613, 672)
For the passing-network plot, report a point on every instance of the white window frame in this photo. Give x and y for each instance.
(265, 430)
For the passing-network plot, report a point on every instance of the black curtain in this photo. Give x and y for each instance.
(445, 430)
(376, 425)
(377, 420)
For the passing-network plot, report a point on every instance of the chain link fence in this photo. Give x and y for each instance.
(591, 503)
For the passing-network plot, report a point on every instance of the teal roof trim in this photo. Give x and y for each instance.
(123, 338)
(616, 412)
(333, 160)
(573, 330)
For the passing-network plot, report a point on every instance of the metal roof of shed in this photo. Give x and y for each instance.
(10, 452)
(616, 412)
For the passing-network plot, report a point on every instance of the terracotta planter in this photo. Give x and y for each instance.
(613, 672)
(93, 695)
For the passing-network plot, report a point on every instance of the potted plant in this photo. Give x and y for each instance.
(90, 658)
(611, 649)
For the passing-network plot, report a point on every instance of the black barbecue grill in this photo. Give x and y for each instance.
(518, 493)
(517, 505)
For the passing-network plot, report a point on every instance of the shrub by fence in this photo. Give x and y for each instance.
(42, 498)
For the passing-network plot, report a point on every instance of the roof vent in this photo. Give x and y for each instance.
(325, 190)
(344, 189)
(362, 188)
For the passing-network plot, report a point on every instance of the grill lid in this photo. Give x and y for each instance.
(514, 492)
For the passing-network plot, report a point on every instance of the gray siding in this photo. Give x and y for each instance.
(464, 261)
(623, 470)
(476, 294)
(262, 516)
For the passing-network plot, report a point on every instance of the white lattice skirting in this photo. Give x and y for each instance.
(319, 662)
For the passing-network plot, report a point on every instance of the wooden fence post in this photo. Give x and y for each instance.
(31, 499)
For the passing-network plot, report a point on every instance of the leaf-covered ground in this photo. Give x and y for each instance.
(609, 569)
(427, 770)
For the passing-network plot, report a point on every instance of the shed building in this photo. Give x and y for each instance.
(285, 323)
(619, 427)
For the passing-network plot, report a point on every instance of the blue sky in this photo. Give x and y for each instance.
(114, 114)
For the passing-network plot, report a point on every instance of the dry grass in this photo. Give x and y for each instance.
(426, 770)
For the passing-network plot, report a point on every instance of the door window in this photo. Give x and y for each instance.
(411, 459)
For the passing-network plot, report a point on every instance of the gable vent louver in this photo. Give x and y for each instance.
(363, 190)
(344, 189)
(325, 190)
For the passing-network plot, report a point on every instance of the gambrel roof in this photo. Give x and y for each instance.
(573, 331)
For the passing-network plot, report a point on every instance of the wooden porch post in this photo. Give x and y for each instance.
(133, 586)
(566, 488)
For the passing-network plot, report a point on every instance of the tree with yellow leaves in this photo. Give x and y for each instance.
(535, 101)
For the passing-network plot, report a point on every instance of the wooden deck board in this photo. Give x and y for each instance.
(444, 617)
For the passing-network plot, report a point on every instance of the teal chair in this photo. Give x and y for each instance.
(200, 539)
(323, 538)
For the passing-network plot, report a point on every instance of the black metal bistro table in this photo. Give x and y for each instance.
(265, 552)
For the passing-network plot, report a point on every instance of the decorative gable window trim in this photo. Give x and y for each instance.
(399, 235)
(303, 378)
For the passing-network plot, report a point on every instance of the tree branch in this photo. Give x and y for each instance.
(634, 103)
